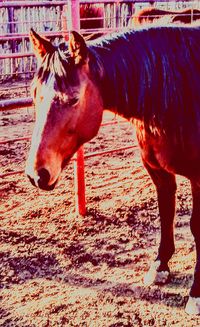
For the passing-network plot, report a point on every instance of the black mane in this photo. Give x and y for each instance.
(151, 74)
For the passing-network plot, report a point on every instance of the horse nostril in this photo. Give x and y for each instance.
(44, 178)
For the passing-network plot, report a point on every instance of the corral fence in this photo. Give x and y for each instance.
(54, 19)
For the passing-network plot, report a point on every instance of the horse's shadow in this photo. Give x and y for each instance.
(6, 320)
(47, 266)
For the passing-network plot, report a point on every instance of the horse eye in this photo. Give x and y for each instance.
(72, 101)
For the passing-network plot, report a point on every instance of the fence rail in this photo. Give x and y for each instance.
(16, 103)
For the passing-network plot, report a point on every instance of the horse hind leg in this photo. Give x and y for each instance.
(165, 183)
(193, 304)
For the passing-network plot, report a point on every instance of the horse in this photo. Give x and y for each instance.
(91, 18)
(149, 76)
(151, 15)
(87, 14)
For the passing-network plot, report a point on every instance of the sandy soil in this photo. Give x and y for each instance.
(60, 269)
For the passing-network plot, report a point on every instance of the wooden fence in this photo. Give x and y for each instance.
(16, 19)
(49, 18)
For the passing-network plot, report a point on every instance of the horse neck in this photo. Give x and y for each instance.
(137, 76)
(115, 72)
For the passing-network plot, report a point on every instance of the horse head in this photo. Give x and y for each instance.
(68, 107)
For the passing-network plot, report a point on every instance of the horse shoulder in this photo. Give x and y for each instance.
(149, 143)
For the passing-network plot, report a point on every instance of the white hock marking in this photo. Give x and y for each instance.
(193, 306)
(155, 277)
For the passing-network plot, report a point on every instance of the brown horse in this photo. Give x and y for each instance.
(150, 76)
(151, 15)
(91, 18)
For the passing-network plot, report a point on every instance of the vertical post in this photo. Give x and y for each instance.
(64, 19)
(73, 23)
(192, 15)
(79, 181)
(11, 29)
(74, 15)
(70, 17)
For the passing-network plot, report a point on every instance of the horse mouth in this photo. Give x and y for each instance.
(41, 185)
(48, 187)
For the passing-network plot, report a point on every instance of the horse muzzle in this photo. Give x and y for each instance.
(42, 180)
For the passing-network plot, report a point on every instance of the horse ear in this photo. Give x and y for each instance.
(41, 45)
(77, 47)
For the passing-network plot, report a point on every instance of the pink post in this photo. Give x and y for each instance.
(79, 181)
(73, 23)
(73, 15)
(64, 23)
(70, 17)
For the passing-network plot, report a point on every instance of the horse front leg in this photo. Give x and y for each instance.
(166, 189)
(193, 304)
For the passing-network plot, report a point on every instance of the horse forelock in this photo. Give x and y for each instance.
(57, 66)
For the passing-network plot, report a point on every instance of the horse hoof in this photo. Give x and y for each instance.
(193, 306)
(156, 277)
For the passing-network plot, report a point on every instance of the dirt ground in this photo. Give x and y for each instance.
(60, 269)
